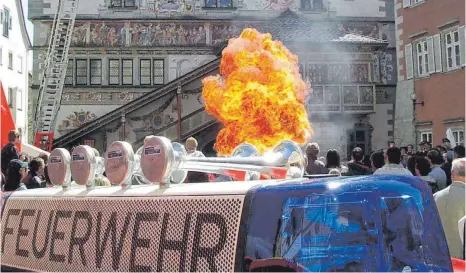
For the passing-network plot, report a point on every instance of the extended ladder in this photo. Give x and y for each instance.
(51, 87)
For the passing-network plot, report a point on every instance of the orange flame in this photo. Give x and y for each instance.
(258, 95)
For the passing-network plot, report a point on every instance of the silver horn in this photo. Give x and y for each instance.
(164, 162)
(286, 155)
(122, 164)
(86, 165)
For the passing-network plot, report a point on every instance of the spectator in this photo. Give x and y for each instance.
(333, 161)
(393, 166)
(451, 207)
(36, 172)
(422, 170)
(446, 143)
(459, 151)
(9, 151)
(446, 166)
(437, 173)
(377, 160)
(410, 150)
(17, 171)
(411, 164)
(423, 147)
(314, 166)
(355, 166)
(191, 147)
(391, 144)
(24, 157)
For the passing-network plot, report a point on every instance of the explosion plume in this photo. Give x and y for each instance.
(258, 95)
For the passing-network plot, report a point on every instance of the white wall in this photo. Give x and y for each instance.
(359, 8)
(379, 120)
(11, 78)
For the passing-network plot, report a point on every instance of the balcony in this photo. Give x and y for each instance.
(357, 99)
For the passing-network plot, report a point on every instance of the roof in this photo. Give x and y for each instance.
(22, 24)
(290, 27)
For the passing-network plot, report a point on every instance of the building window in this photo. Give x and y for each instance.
(96, 72)
(20, 64)
(127, 72)
(19, 99)
(218, 3)
(69, 73)
(81, 72)
(458, 135)
(10, 60)
(158, 72)
(10, 97)
(6, 22)
(452, 49)
(114, 72)
(426, 136)
(312, 5)
(422, 58)
(144, 72)
(122, 3)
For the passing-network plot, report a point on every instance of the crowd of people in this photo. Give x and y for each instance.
(18, 170)
(443, 168)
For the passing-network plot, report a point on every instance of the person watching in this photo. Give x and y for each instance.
(422, 170)
(355, 166)
(36, 172)
(314, 166)
(17, 171)
(393, 166)
(9, 151)
(459, 151)
(451, 207)
(377, 160)
(436, 160)
(191, 148)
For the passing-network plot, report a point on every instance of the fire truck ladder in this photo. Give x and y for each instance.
(51, 87)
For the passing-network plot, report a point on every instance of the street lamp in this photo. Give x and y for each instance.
(414, 100)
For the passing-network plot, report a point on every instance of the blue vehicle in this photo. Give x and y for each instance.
(372, 223)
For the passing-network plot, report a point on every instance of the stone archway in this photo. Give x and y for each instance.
(184, 66)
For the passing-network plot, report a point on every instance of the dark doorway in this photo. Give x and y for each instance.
(360, 136)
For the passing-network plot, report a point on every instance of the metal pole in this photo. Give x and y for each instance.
(414, 125)
(123, 121)
(178, 106)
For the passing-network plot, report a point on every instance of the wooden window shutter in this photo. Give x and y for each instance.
(438, 53)
(462, 33)
(409, 61)
(406, 3)
(430, 53)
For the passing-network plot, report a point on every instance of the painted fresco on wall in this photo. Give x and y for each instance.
(363, 28)
(108, 34)
(75, 120)
(79, 36)
(225, 31)
(166, 34)
(338, 73)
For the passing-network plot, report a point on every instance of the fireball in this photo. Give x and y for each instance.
(258, 95)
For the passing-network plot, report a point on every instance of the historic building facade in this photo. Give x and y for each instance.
(431, 59)
(14, 50)
(124, 51)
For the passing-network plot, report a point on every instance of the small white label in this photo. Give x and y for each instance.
(406, 269)
(78, 157)
(55, 159)
(114, 154)
(152, 150)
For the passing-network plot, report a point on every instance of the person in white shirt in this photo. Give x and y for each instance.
(393, 166)
(191, 148)
(451, 207)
